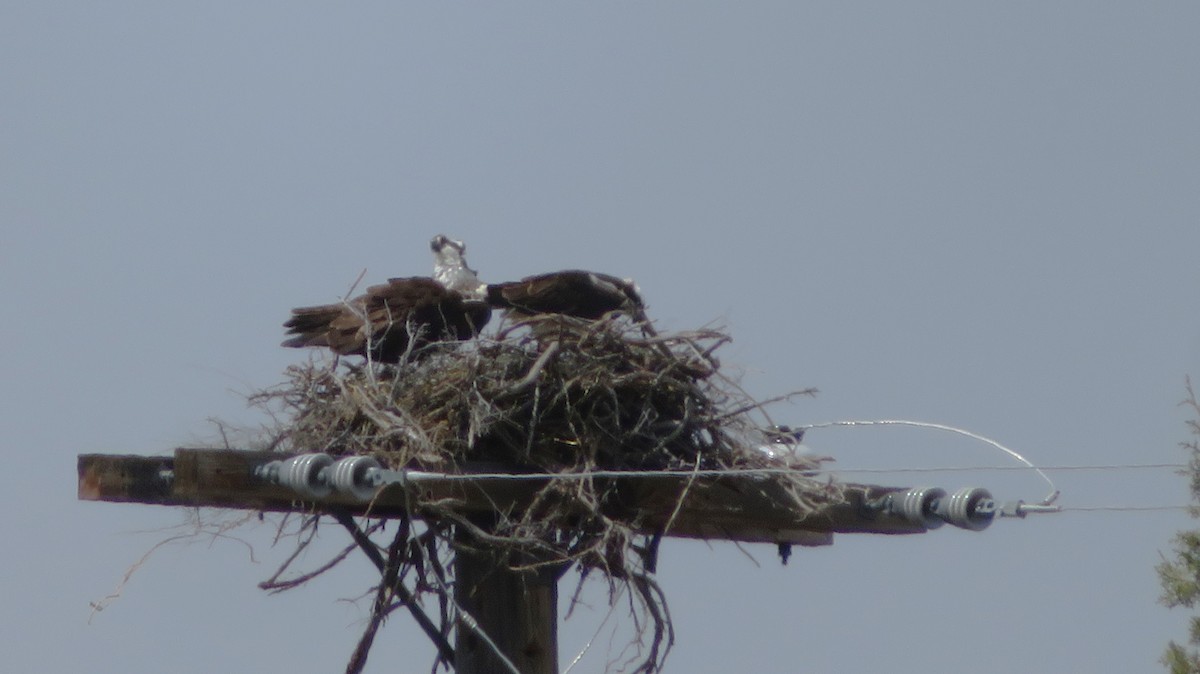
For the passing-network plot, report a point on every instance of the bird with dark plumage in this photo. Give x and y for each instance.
(398, 318)
(582, 294)
(395, 320)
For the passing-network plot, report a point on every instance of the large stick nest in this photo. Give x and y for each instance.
(545, 395)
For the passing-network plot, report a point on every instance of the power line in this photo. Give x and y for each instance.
(944, 427)
(1066, 467)
(1149, 508)
(782, 470)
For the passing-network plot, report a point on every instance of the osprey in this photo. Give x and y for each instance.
(399, 317)
(582, 294)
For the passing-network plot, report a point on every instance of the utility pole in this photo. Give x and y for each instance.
(517, 610)
(508, 620)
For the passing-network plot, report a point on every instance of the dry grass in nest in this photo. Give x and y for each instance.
(566, 394)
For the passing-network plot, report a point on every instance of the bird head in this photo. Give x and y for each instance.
(450, 266)
(442, 242)
(632, 291)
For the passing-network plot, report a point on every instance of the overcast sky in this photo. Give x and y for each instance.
(978, 214)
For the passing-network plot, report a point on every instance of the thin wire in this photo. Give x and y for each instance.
(1050, 498)
(1122, 508)
(1069, 467)
(720, 472)
(417, 476)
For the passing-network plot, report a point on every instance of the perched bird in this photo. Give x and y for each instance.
(582, 294)
(785, 447)
(784, 444)
(395, 319)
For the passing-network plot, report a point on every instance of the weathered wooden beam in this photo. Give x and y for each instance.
(126, 478)
(746, 508)
(204, 478)
(758, 509)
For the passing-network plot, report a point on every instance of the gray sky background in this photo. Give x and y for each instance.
(979, 214)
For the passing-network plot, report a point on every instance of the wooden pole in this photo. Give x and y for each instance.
(513, 612)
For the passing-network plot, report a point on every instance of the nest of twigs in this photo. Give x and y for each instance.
(547, 395)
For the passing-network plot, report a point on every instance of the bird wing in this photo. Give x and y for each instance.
(379, 321)
(572, 292)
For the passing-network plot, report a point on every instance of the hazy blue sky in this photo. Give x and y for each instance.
(979, 214)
